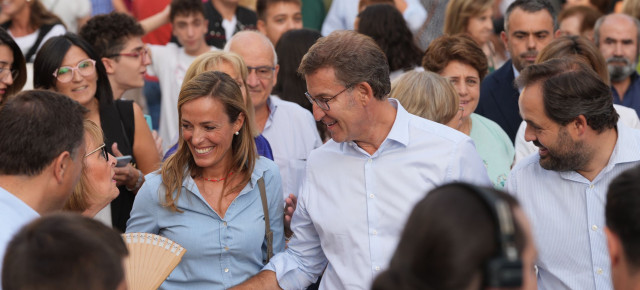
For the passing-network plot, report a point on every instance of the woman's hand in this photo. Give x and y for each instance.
(126, 175)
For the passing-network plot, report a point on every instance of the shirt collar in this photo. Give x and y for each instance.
(400, 129)
(399, 133)
(627, 147)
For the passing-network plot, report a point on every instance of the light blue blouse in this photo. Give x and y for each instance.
(221, 252)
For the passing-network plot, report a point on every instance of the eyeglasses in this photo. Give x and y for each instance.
(141, 54)
(324, 103)
(263, 72)
(5, 71)
(103, 152)
(85, 68)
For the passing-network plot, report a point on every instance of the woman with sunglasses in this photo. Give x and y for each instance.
(96, 188)
(67, 64)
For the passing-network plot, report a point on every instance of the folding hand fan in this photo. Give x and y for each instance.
(151, 260)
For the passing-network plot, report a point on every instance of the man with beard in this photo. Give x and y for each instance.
(616, 36)
(570, 118)
(528, 27)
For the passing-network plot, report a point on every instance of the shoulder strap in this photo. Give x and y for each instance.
(44, 29)
(267, 225)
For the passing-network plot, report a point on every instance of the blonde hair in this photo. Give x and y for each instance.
(221, 87)
(209, 61)
(631, 7)
(78, 201)
(459, 12)
(427, 95)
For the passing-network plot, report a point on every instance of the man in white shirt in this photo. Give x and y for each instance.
(41, 153)
(289, 128)
(170, 62)
(570, 118)
(361, 186)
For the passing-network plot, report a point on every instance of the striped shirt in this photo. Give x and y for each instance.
(567, 214)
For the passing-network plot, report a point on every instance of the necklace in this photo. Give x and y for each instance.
(217, 180)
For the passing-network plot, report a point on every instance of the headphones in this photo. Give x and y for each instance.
(505, 269)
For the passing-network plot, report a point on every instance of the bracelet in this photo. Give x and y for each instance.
(138, 183)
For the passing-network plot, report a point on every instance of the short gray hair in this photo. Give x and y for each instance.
(596, 29)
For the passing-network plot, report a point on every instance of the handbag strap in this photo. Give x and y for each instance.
(267, 225)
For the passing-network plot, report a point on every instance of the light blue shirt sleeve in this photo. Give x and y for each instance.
(145, 207)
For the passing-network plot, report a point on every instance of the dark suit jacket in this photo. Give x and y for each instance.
(499, 100)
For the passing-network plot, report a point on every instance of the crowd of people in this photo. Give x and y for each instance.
(403, 144)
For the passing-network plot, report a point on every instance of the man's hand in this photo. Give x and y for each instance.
(290, 206)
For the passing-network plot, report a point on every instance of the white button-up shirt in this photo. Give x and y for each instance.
(354, 205)
(567, 215)
(292, 134)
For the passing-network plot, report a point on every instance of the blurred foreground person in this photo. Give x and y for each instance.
(65, 251)
(435, 251)
(622, 213)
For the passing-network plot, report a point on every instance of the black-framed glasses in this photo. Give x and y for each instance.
(324, 103)
(85, 68)
(103, 151)
(5, 71)
(263, 72)
(141, 54)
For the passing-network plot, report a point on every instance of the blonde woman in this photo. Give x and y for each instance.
(206, 196)
(474, 18)
(430, 96)
(233, 65)
(96, 188)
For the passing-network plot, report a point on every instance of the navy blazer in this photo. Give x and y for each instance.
(499, 100)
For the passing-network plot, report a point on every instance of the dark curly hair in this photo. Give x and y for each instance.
(460, 47)
(385, 24)
(108, 33)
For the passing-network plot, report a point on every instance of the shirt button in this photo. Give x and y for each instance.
(226, 270)
(594, 228)
(599, 271)
(591, 186)
(377, 268)
(370, 160)
(224, 223)
(375, 232)
(371, 195)
(226, 248)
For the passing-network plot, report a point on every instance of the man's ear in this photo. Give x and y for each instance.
(61, 166)
(364, 93)
(504, 38)
(615, 247)
(262, 26)
(579, 124)
(275, 74)
(109, 65)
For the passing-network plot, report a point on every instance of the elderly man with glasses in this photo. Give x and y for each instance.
(361, 186)
(289, 128)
